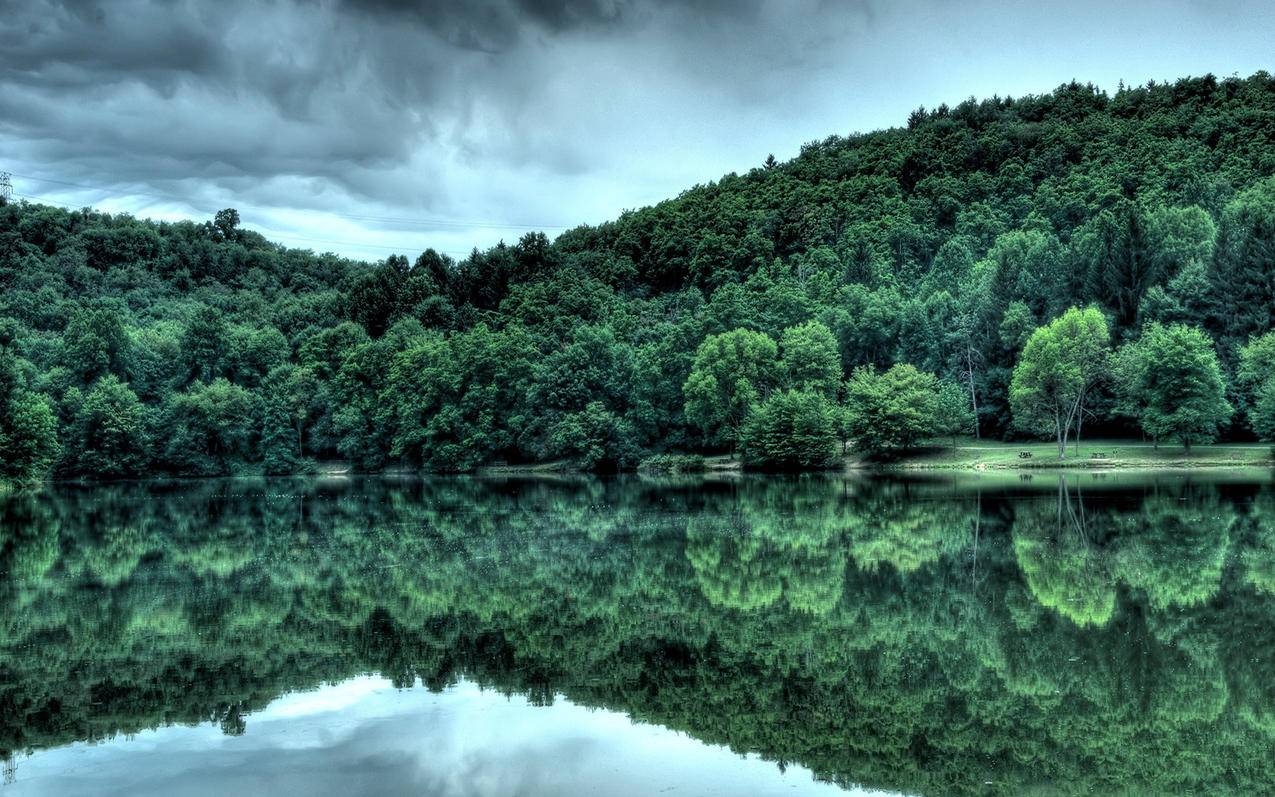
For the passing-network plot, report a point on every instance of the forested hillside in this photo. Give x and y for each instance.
(781, 311)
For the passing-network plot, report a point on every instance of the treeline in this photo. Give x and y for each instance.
(922, 259)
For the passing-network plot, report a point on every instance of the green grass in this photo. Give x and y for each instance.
(993, 454)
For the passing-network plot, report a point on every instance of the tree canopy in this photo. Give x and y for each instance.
(1059, 366)
(1171, 379)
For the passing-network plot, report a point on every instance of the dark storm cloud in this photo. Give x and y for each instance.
(168, 89)
(495, 25)
(492, 26)
(303, 103)
(544, 111)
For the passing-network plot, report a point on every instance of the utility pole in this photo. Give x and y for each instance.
(6, 188)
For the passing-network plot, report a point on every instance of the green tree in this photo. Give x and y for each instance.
(1169, 379)
(210, 428)
(95, 343)
(952, 414)
(1256, 381)
(204, 344)
(1241, 281)
(28, 437)
(460, 401)
(1114, 254)
(28, 427)
(1059, 366)
(810, 360)
(280, 452)
(594, 439)
(791, 430)
(731, 373)
(596, 367)
(889, 411)
(252, 352)
(108, 436)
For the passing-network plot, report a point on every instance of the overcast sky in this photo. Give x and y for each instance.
(370, 126)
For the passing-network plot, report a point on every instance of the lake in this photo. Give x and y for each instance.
(997, 634)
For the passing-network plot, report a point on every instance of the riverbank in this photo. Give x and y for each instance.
(1098, 454)
(984, 455)
(968, 455)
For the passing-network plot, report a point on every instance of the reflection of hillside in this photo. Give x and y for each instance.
(903, 636)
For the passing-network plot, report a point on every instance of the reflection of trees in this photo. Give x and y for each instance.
(1173, 548)
(890, 525)
(732, 564)
(1059, 558)
(752, 548)
(1257, 554)
(914, 670)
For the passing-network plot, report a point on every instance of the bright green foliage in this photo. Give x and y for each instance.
(109, 432)
(953, 415)
(791, 430)
(892, 410)
(810, 359)
(1170, 380)
(1256, 380)
(1059, 365)
(732, 372)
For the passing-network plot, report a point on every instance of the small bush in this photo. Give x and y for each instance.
(673, 463)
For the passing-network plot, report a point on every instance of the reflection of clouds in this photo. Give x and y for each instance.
(364, 737)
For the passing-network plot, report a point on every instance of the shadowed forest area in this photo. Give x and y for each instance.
(1059, 635)
(874, 291)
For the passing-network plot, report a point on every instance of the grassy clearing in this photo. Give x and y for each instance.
(1092, 454)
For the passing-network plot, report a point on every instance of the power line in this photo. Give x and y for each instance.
(457, 223)
(270, 234)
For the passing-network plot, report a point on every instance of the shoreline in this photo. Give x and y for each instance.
(986, 457)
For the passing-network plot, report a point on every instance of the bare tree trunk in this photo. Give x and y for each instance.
(1080, 418)
(969, 374)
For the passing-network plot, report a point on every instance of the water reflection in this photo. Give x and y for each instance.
(1068, 635)
(363, 736)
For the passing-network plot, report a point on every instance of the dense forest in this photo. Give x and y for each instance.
(1001, 267)
(1054, 636)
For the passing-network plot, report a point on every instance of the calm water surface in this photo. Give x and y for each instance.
(999, 635)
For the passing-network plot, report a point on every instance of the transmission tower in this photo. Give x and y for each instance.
(6, 187)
